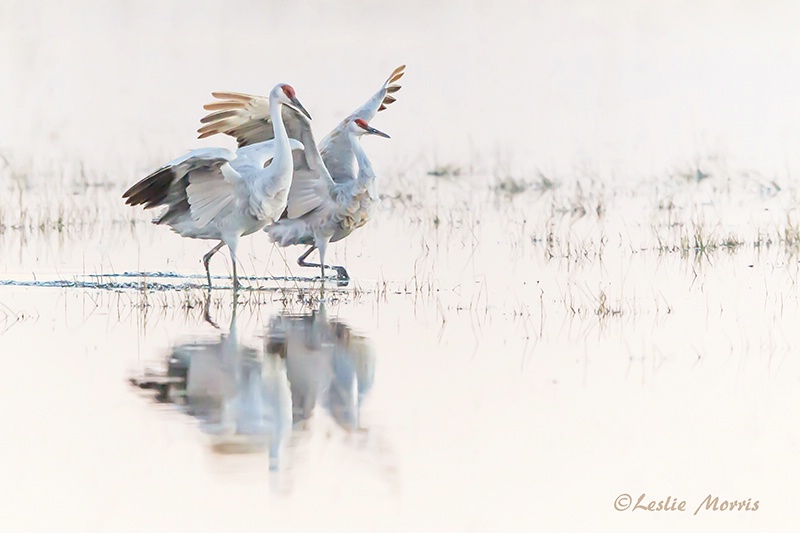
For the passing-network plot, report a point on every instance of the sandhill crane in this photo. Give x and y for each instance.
(212, 193)
(334, 186)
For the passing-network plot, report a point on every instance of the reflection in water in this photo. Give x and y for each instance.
(246, 398)
(326, 361)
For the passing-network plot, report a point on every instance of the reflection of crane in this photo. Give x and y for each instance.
(325, 361)
(215, 194)
(246, 399)
(333, 189)
(240, 395)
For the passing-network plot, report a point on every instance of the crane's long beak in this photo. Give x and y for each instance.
(299, 106)
(373, 131)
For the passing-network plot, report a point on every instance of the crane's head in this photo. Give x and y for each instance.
(360, 127)
(284, 93)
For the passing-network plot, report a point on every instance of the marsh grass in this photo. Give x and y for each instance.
(450, 226)
(445, 171)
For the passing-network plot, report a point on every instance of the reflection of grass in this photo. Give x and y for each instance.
(699, 241)
(603, 309)
(731, 242)
(791, 233)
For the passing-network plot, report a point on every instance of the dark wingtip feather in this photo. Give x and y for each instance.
(152, 190)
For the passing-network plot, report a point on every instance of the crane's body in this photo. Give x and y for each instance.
(212, 193)
(331, 209)
(334, 188)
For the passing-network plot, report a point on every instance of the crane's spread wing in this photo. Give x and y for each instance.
(201, 184)
(160, 187)
(336, 153)
(245, 117)
(380, 99)
(208, 195)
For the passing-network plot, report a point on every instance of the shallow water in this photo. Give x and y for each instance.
(517, 349)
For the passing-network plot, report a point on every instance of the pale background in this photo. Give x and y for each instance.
(505, 396)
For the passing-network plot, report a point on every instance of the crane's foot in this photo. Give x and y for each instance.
(342, 277)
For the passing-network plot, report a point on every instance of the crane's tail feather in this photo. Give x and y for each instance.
(288, 232)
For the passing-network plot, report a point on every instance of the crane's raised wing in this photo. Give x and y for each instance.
(246, 118)
(380, 99)
(335, 150)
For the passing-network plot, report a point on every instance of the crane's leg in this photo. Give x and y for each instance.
(322, 246)
(207, 259)
(232, 245)
(341, 272)
(235, 277)
(302, 259)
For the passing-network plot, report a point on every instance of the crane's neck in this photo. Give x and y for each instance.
(283, 152)
(366, 174)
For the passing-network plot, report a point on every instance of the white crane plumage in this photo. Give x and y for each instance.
(212, 193)
(334, 189)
